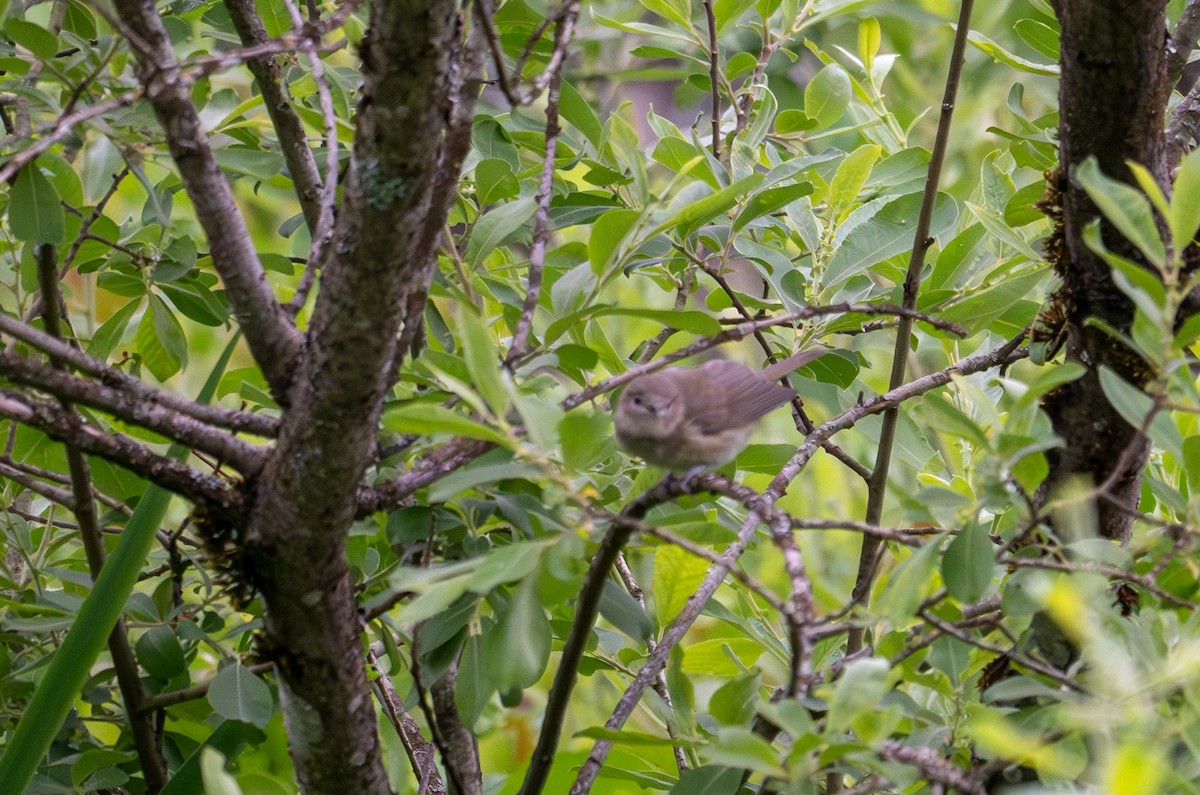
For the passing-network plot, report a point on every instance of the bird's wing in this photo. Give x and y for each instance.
(724, 394)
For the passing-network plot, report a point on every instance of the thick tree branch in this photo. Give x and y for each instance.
(293, 141)
(172, 475)
(247, 458)
(239, 421)
(409, 143)
(1183, 40)
(1112, 99)
(272, 337)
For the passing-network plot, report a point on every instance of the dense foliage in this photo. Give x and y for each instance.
(641, 179)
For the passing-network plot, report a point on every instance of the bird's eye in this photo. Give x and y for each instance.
(636, 400)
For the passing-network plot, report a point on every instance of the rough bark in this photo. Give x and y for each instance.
(401, 181)
(272, 337)
(1113, 95)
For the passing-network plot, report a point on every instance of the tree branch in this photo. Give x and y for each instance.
(154, 767)
(172, 475)
(541, 223)
(1183, 40)
(293, 141)
(239, 421)
(273, 339)
(247, 458)
(877, 484)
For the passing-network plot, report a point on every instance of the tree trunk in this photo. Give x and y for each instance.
(1113, 95)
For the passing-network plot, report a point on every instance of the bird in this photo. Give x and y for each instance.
(687, 419)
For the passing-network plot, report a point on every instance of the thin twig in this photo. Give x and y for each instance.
(660, 683)
(541, 229)
(746, 329)
(877, 485)
(714, 71)
(149, 752)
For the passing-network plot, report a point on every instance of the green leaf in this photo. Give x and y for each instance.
(1039, 36)
(109, 335)
(623, 612)
(576, 110)
(1142, 286)
(505, 565)
(717, 657)
(474, 477)
(494, 181)
(480, 353)
(160, 340)
(607, 234)
(1124, 206)
(851, 175)
(1001, 55)
(250, 162)
(889, 233)
(34, 38)
(733, 703)
(521, 639)
(983, 305)
(769, 201)
(433, 418)
(793, 121)
(1134, 406)
(475, 683)
(869, 39)
(908, 584)
(237, 693)
(677, 574)
(217, 781)
(863, 685)
(1184, 213)
(738, 747)
(196, 302)
(701, 212)
(159, 652)
(35, 212)
(586, 439)
(827, 96)
(727, 11)
(708, 780)
(968, 563)
(677, 11)
(495, 227)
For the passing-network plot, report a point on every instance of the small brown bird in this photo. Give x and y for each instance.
(689, 418)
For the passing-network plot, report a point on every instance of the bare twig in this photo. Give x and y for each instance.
(149, 752)
(541, 228)
(563, 19)
(293, 142)
(746, 329)
(660, 683)
(419, 750)
(322, 230)
(877, 485)
(714, 72)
